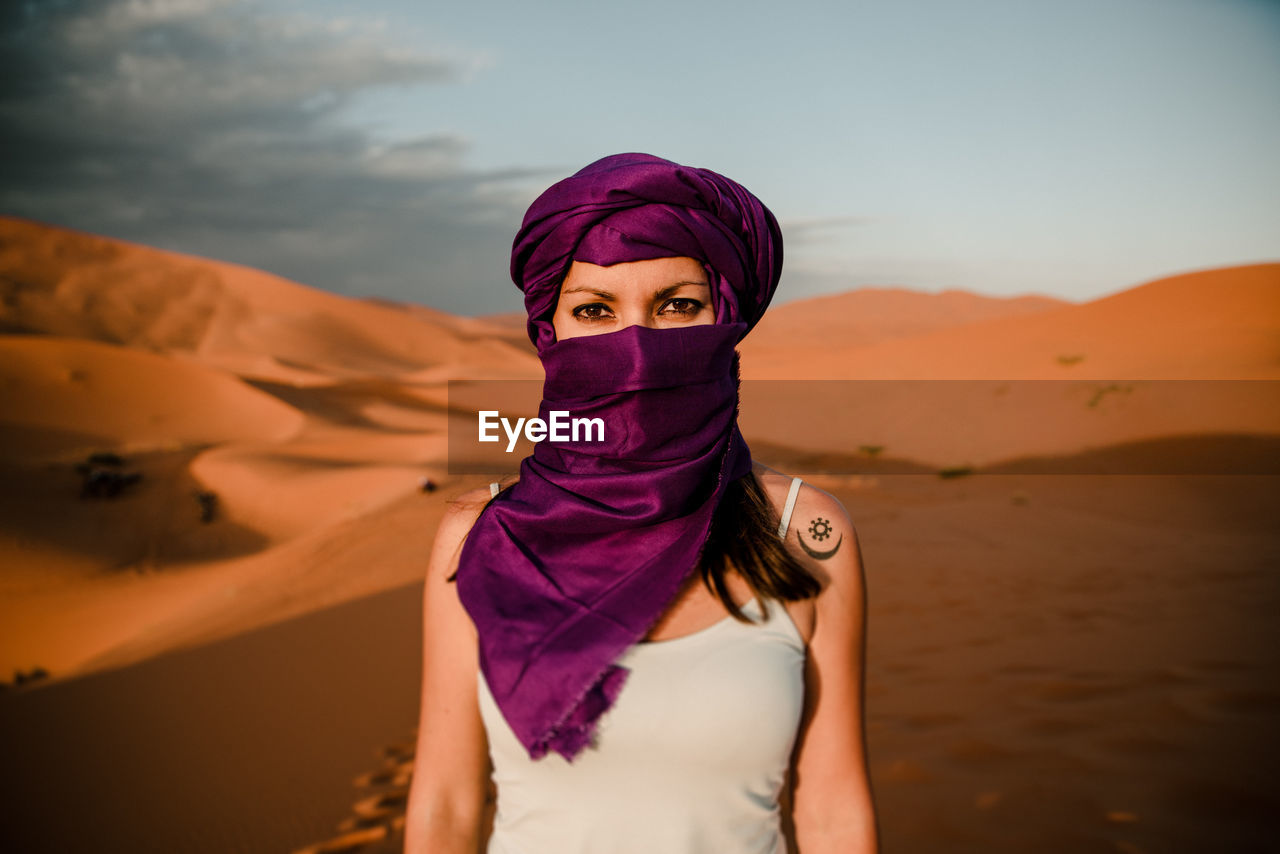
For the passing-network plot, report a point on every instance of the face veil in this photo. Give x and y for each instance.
(578, 560)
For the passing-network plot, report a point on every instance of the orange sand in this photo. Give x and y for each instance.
(1065, 663)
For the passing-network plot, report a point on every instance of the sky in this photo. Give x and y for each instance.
(390, 147)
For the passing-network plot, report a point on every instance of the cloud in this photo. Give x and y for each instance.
(212, 126)
(817, 230)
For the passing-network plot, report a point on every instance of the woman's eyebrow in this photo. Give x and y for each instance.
(663, 293)
(660, 293)
(584, 290)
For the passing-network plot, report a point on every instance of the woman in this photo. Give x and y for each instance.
(653, 643)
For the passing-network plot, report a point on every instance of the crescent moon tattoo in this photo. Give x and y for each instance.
(817, 554)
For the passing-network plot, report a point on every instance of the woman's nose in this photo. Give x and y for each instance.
(638, 317)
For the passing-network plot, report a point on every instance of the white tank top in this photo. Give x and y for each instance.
(691, 757)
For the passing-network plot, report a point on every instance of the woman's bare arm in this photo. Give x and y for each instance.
(446, 808)
(831, 802)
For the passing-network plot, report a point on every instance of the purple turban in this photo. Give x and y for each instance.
(577, 561)
(633, 207)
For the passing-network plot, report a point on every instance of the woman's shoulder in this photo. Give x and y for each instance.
(820, 531)
(809, 498)
(472, 500)
(465, 507)
(459, 517)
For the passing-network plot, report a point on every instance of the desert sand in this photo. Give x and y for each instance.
(223, 656)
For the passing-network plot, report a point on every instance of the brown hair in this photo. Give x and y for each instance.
(744, 533)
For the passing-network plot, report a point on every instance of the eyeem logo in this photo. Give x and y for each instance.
(561, 428)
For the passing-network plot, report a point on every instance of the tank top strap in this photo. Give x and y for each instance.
(494, 489)
(790, 506)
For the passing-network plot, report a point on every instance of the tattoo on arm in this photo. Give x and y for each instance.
(819, 530)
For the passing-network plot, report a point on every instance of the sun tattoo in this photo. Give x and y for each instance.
(819, 529)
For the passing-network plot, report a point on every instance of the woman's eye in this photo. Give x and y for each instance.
(591, 311)
(683, 305)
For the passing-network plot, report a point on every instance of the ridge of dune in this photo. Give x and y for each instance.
(508, 327)
(1210, 324)
(506, 320)
(128, 399)
(867, 316)
(62, 282)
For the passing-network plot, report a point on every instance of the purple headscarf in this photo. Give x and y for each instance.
(575, 563)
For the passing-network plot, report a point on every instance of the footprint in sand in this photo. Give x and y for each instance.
(376, 825)
(379, 807)
(397, 774)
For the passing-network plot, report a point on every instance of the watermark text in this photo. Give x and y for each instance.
(559, 428)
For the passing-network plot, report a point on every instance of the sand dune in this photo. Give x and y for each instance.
(1210, 325)
(301, 412)
(61, 282)
(275, 449)
(1170, 358)
(280, 412)
(870, 315)
(129, 399)
(507, 327)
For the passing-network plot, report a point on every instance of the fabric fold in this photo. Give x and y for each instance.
(578, 560)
